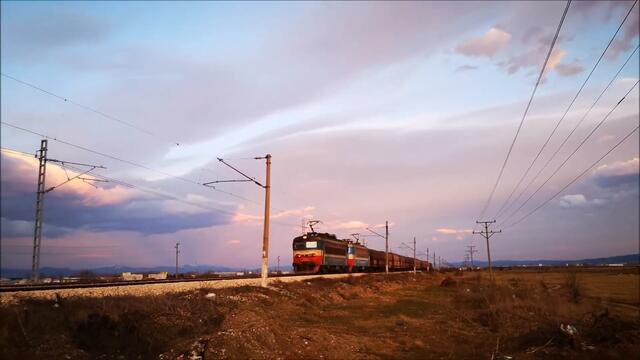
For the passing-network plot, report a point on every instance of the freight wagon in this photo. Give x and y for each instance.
(325, 253)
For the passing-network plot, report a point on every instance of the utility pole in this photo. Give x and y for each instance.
(267, 197)
(177, 252)
(434, 260)
(37, 235)
(41, 191)
(386, 245)
(471, 251)
(487, 234)
(278, 268)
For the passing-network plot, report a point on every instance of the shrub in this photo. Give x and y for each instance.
(573, 286)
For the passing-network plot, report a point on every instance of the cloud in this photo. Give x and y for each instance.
(447, 231)
(465, 68)
(628, 167)
(573, 200)
(304, 212)
(533, 58)
(487, 45)
(41, 32)
(570, 69)
(349, 225)
(617, 174)
(20, 172)
(629, 33)
(77, 205)
(557, 54)
(578, 200)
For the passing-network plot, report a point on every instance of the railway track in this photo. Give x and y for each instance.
(39, 287)
(46, 287)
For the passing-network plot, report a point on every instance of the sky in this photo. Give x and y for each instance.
(373, 111)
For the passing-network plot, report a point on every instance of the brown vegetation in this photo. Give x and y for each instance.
(523, 315)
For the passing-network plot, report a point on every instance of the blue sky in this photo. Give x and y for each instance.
(373, 111)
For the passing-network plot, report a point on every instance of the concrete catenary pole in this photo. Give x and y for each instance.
(471, 251)
(37, 234)
(265, 234)
(386, 247)
(42, 171)
(414, 255)
(428, 258)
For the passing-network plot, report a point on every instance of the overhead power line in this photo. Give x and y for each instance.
(18, 152)
(564, 141)
(135, 164)
(150, 191)
(544, 145)
(576, 178)
(85, 107)
(143, 189)
(572, 153)
(526, 111)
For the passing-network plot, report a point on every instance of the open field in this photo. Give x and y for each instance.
(452, 316)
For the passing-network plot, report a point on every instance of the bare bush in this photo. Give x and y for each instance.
(573, 286)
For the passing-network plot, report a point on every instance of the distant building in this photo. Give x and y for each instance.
(127, 276)
(615, 265)
(159, 276)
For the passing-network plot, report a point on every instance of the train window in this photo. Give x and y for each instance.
(312, 244)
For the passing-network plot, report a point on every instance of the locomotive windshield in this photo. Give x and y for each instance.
(301, 244)
(305, 245)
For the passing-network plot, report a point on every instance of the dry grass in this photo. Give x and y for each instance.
(370, 317)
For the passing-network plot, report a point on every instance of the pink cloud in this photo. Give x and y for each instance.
(24, 168)
(350, 225)
(305, 212)
(447, 231)
(487, 45)
(628, 167)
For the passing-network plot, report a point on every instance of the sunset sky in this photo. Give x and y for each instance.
(398, 111)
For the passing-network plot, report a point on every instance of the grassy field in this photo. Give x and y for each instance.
(429, 316)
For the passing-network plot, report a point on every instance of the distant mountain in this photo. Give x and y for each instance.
(116, 270)
(631, 259)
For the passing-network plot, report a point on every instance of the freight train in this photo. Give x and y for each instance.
(324, 253)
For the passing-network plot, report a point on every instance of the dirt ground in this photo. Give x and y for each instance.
(431, 316)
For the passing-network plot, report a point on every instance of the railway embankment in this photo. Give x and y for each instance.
(146, 289)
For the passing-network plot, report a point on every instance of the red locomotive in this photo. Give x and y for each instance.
(325, 253)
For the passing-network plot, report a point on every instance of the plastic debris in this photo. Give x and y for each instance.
(569, 330)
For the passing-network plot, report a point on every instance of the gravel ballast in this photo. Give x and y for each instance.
(150, 289)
